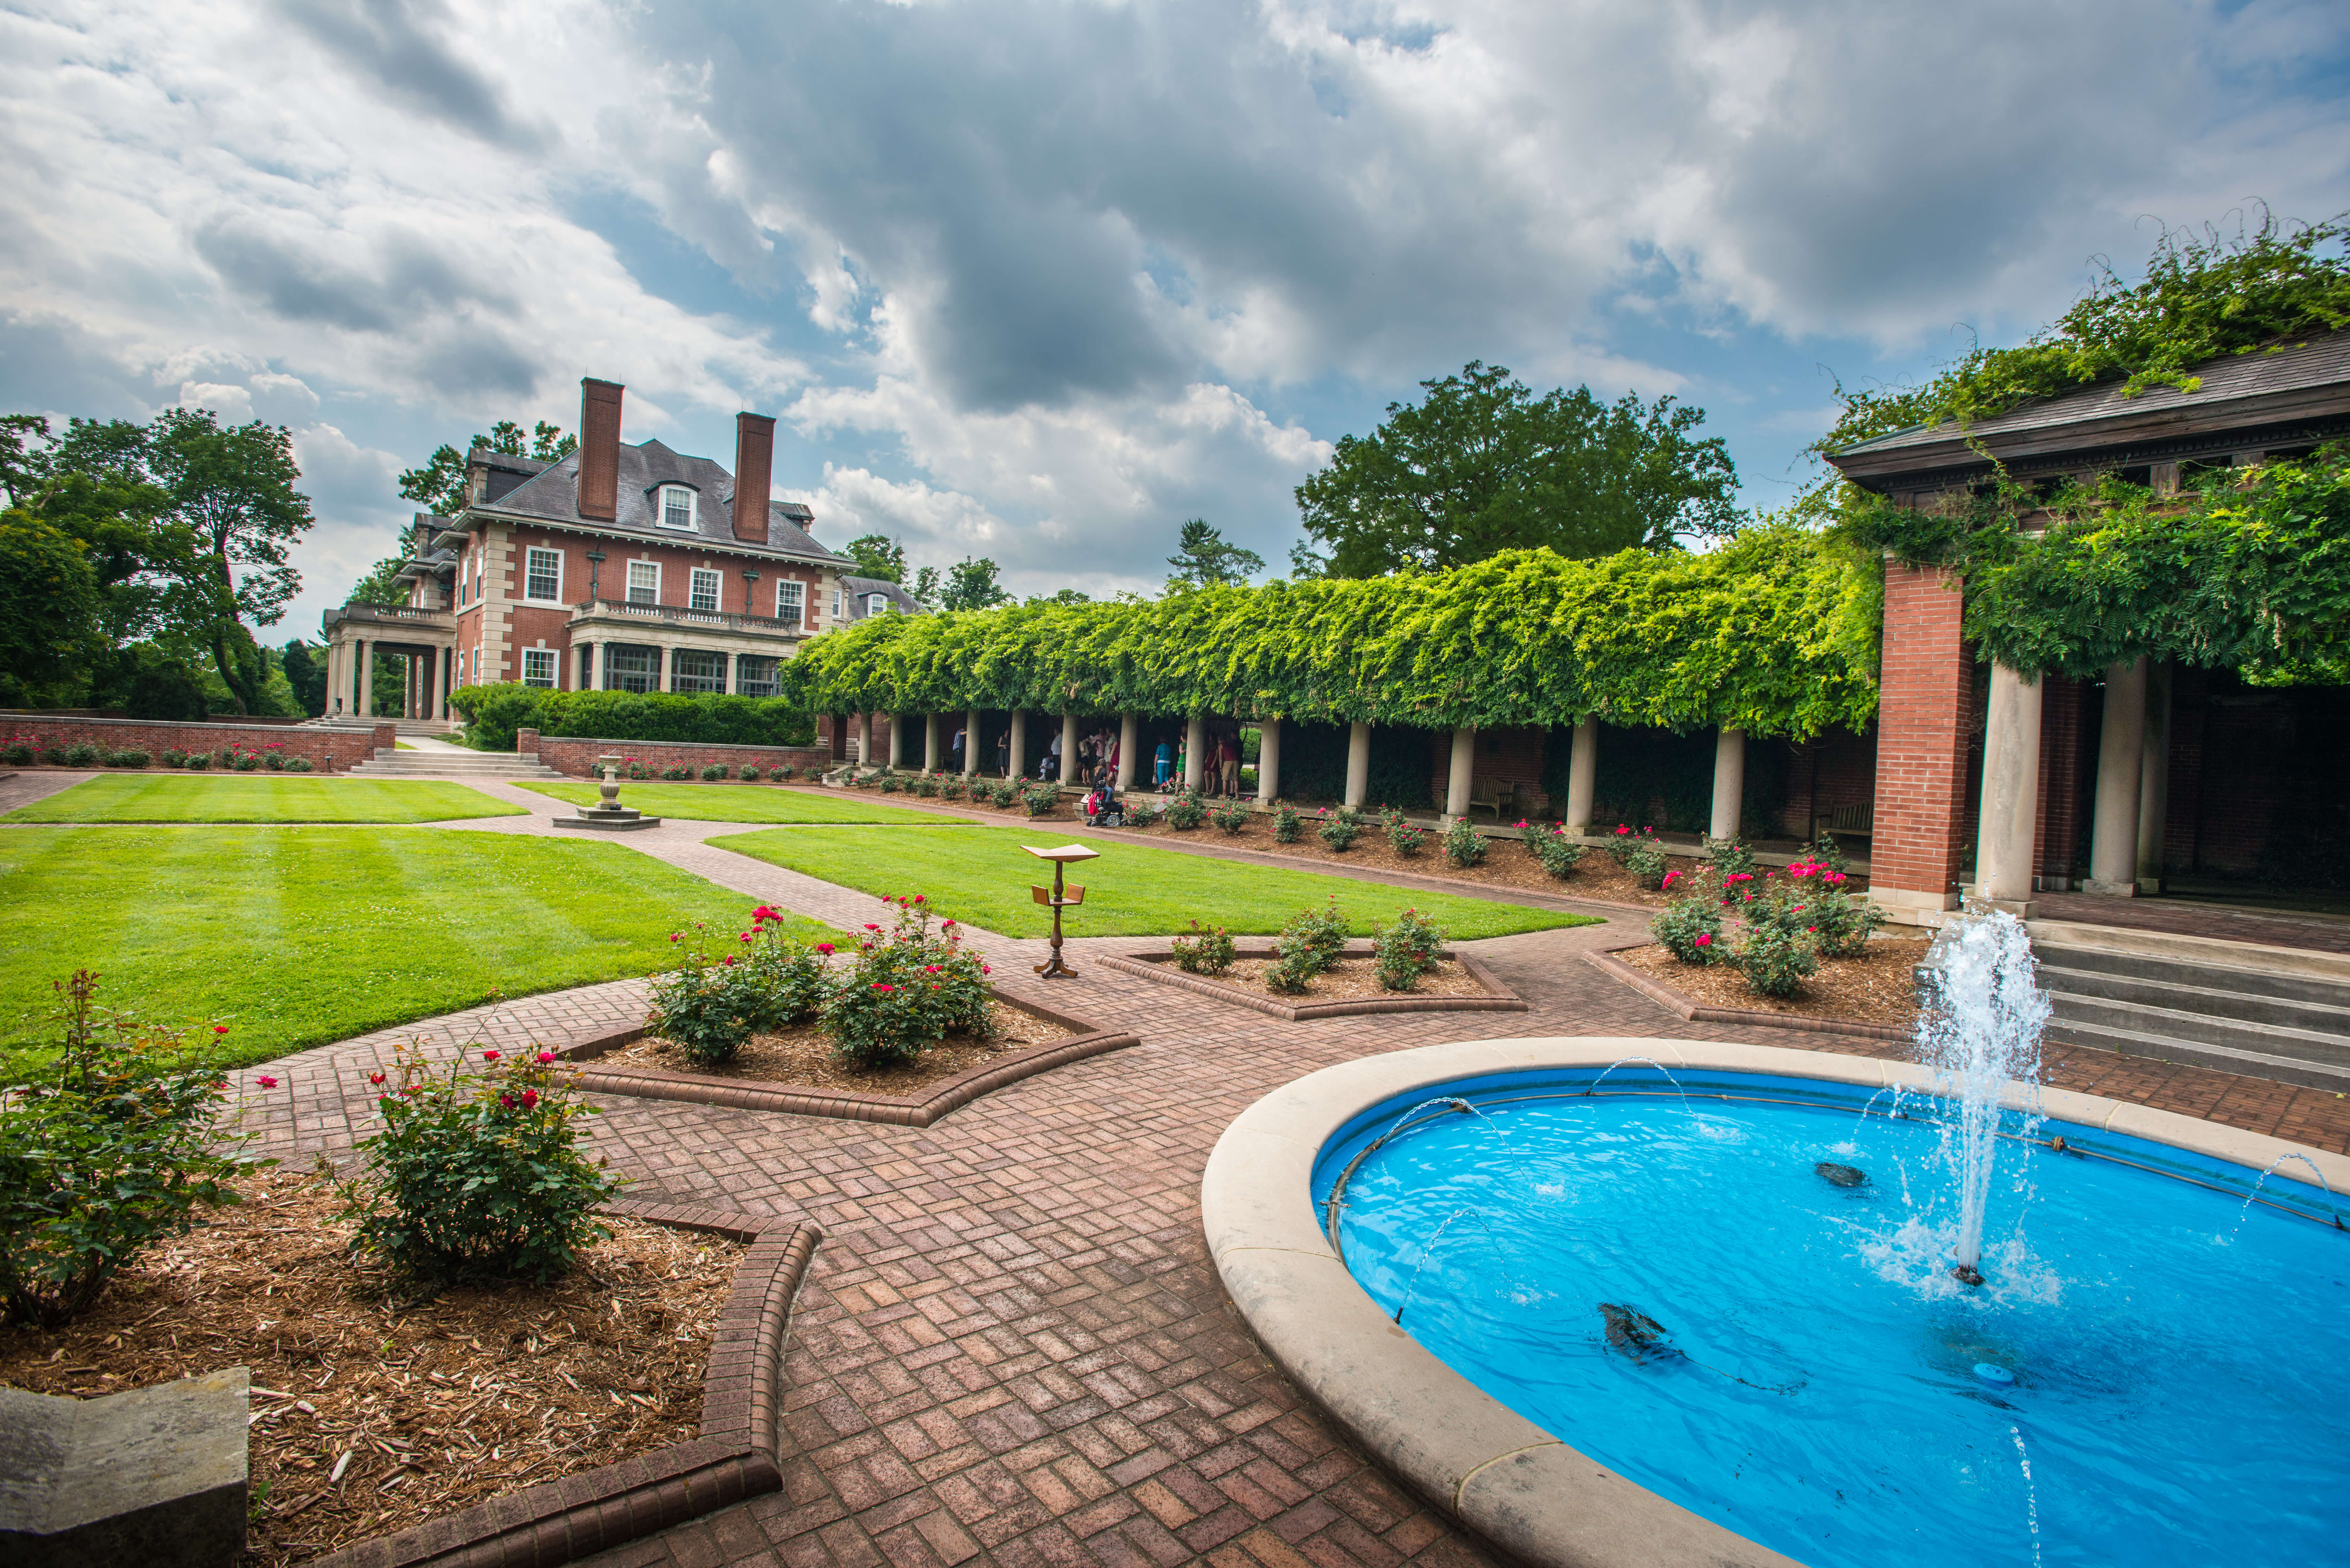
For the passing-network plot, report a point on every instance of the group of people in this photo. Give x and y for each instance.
(1096, 762)
(1219, 773)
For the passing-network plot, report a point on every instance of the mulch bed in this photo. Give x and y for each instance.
(801, 1056)
(374, 1414)
(1348, 980)
(1879, 987)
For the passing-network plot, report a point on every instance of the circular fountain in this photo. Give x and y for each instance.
(1708, 1309)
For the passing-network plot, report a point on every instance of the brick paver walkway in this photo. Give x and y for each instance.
(1011, 1347)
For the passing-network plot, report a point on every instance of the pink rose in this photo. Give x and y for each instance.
(266, 1082)
(1704, 941)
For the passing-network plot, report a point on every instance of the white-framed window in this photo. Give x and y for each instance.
(632, 668)
(676, 506)
(877, 604)
(538, 666)
(543, 574)
(698, 672)
(835, 604)
(791, 602)
(644, 582)
(755, 675)
(704, 590)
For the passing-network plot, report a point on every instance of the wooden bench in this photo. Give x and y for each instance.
(1847, 822)
(1498, 798)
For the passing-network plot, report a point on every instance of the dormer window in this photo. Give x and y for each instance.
(677, 507)
(877, 604)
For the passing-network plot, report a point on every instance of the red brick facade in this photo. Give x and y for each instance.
(2063, 790)
(1923, 719)
(329, 750)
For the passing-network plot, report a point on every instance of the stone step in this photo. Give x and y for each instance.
(2200, 1028)
(437, 765)
(2196, 1053)
(2208, 992)
(2311, 985)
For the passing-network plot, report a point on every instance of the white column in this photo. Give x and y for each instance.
(971, 744)
(367, 680)
(1017, 765)
(2121, 769)
(1068, 747)
(865, 740)
(668, 669)
(1195, 743)
(1128, 733)
(440, 658)
(2154, 779)
(929, 743)
(2010, 788)
(1581, 775)
(896, 740)
(1268, 759)
(1463, 781)
(334, 676)
(1729, 783)
(1359, 765)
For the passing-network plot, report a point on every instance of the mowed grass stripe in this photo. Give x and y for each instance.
(745, 803)
(980, 875)
(260, 798)
(300, 936)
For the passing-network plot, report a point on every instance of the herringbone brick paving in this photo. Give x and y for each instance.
(1011, 1347)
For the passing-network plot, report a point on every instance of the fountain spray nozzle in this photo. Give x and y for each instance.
(1966, 1274)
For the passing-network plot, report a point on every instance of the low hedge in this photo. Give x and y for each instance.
(493, 713)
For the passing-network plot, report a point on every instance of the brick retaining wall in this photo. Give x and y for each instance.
(329, 749)
(576, 757)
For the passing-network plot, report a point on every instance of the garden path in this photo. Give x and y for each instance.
(1012, 1347)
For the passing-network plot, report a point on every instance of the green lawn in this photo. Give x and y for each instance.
(259, 798)
(979, 874)
(746, 802)
(299, 936)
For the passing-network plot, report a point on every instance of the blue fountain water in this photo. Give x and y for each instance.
(2180, 1389)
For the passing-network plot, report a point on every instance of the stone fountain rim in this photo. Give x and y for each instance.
(1533, 1498)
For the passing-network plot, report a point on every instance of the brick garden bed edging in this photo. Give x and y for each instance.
(938, 1099)
(1499, 998)
(734, 1459)
(1665, 996)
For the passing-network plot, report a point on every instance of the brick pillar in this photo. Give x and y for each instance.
(1925, 687)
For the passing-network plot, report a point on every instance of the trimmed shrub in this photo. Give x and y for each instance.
(1339, 828)
(1463, 844)
(786, 770)
(712, 771)
(478, 1172)
(1230, 815)
(1624, 843)
(127, 759)
(298, 765)
(1204, 952)
(20, 754)
(1406, 951)
(952, 788)
(173, 757)
(908, 989)
(1004, 793)
(1307, 946)
(104, 1152)
(750, 774)
(200, 760)
(1729, 855)
(886, 781)
(1405, 837)
(82, 754)
(1648, 863)
(1186, 811)
(927, 786)
(677, 772)
(1774, 960)
(1690, 929)
(1041, 798)
(1288, 827)
(493, 713)
(1558, 853)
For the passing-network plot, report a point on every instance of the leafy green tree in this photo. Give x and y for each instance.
(1482, 465)
(1064, 596)
(306, 674)
(878, 555)
(377, 588)
(49, 609)
(1203, 560)
(440, 485)
(972, 585)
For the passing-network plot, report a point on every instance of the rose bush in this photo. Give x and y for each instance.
(906, 988)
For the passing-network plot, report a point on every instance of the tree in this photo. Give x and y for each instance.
(1482, 465)
(1065, 597)
(878, 555)
(377, 588)
(49, 604)
(1203, 560)
(305, 673)
(440, 485)
(972, 585)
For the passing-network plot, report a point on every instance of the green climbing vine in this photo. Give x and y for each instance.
(1775, 633)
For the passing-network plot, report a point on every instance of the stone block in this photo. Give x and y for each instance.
(151, 1476)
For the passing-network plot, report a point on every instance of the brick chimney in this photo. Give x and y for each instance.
(754, 471)
(599, 448)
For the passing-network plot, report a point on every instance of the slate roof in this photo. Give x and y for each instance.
(2317, 362)
(857, 589)
(552, 495)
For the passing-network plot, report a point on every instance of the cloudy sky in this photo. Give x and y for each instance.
(1039, 280)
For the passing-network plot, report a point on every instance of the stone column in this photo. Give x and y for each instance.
(1195, 742)
(2121, 769)
(1461, 783)
(442, 659)
(1359, 765)
(2154, 780)
(1582, 775)
(865, 740)
(929, 743)
(1129, 737)
(896, 740)
(367, 680)
(1729, 783)
(1268, 759)
(667, 673)
(1017, 765)
(1068, 746)
(971, 744)
(2011, 790)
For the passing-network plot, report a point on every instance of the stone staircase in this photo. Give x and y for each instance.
(448, 762)
(2270, 1012)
